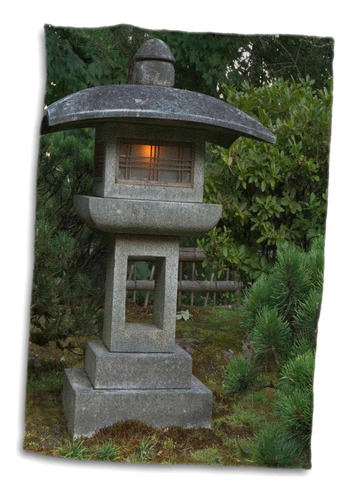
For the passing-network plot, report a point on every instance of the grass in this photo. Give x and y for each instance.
(236, 420)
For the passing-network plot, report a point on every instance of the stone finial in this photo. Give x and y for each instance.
(154, 64)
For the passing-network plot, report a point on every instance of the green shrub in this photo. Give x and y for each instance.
(282, 312)
(294, 289)
(271, 193)
(315, 261)
(301, 346)
(273, 447)
(295, 397)
(306, 317)
(271, 337)
(291, 279)
(298, 373)
(295, 409)
(258, 296)
(240, 375)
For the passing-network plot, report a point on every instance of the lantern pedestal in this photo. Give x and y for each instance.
(89, 410)
(130, 370)
(137, 371)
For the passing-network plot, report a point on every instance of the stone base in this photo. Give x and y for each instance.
(115, 370)
(88, 410)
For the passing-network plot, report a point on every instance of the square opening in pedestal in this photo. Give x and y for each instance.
(154, 290)
(140, 290)
(148, 334)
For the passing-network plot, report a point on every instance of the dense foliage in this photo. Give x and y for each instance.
(68, 272)
(287, 301)
(205, 62)
(282, 311)
(269, 193)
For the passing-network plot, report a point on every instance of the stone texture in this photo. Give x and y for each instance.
(154, 49)
(117, 215)
(108, 370)
(109, 187)
(153, 73)
(154, 64)
(218, 121)
(120, 336)
(88, 410)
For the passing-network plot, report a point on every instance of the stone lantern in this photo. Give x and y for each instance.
(147, 192)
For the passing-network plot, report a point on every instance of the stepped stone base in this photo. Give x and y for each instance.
(114, 370)
(88, 410)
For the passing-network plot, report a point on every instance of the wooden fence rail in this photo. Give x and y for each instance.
(188, 286)
(192, 286)
(185, 255)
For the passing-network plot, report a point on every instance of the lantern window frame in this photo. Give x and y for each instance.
(154, 164)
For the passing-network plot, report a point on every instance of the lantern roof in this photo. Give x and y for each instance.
(218, 121)
(152, 100)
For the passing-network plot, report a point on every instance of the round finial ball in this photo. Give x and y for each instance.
(154, 64)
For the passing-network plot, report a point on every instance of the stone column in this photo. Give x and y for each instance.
(159, 336)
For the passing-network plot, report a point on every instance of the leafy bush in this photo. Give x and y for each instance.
(240, 375)
(273, 447)
(270, 193)
(271, 336)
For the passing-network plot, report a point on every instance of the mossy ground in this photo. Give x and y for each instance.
(208, 335)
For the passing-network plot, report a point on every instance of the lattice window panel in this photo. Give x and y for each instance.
(162, 163)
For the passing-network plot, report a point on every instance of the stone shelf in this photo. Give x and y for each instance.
(123, 216)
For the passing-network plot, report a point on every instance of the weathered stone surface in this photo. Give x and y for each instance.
(117, 215)
(218, 121)
(88, 410)
(107, 370)
(120, 336)
(153, 73)
(108, 186)
(154, 49)
(154, 64)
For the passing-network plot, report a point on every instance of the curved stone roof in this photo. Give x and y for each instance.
(216, 120)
